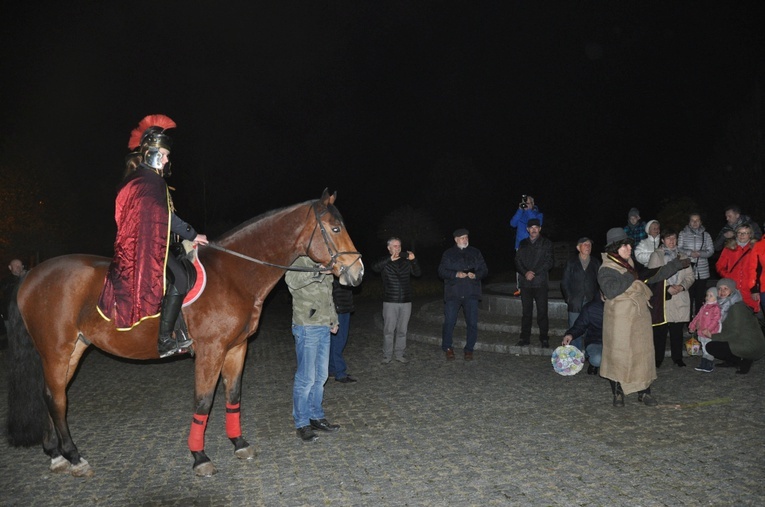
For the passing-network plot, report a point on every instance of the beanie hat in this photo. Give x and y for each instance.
(532, 222)
(633, 213)
(460, 232)
(648, 225)
(713, 290)
(726, 282)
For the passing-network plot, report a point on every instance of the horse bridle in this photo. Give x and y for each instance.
(327, 241)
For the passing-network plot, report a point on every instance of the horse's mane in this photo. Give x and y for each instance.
(256, 221)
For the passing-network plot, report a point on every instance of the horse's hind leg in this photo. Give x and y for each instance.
(57, 377)
(232, 380)
(58, 464)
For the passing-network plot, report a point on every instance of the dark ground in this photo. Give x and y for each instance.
(502, 430)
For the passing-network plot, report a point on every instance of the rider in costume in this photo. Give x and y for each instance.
(143, 277)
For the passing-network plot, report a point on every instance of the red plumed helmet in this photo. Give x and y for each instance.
(152, 128)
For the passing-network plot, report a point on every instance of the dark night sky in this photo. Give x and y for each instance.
(454, 107)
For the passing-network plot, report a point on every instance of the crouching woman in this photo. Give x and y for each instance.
(740, 342)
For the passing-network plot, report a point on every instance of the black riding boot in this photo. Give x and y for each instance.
(616, 389)
(171, 307)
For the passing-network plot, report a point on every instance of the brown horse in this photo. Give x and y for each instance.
(55, 312)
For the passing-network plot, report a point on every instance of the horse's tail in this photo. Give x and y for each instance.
(27, 410)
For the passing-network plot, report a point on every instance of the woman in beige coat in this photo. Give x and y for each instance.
(675, 298)
(628, 354)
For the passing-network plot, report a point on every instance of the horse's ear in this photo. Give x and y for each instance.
(327, 199)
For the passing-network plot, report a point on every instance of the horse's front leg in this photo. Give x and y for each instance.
(206, 372)
(232, 380)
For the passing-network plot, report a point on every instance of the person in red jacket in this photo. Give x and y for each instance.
(756, 268)
(735, 263)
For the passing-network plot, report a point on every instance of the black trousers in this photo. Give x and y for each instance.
(698, 294)
(675, 330)
(177, 275)
(721, 351)
(529, 296)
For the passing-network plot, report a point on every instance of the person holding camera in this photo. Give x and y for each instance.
(527, 210)
(396, 270)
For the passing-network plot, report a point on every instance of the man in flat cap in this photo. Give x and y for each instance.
(533, 262)
(579, 284)
(462, 268)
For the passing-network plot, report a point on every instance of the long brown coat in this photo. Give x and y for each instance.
(628, 354)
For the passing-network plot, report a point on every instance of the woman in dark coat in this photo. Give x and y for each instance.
(741, 341)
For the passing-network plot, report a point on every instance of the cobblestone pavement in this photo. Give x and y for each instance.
(501, 430)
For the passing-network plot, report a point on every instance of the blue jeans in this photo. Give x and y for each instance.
(337, 366)
(594, 353)
(312, 349)
(470, 309)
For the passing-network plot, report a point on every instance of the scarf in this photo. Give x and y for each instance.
(726, 303)
(626, 265)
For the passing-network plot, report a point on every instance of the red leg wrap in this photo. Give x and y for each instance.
(233, 427)
(197, 433)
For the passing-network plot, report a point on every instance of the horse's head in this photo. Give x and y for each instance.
(334, 248)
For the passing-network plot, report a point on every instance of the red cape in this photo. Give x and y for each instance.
(135, 282)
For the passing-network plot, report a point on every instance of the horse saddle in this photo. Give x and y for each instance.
(195, 271)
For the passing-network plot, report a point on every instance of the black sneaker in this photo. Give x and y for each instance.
(324, 425)
(744, 366)
(306, 434)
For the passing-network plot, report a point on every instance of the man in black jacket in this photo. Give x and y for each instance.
(397, 298)
(579, 284)
(533, 261)
(462, 268)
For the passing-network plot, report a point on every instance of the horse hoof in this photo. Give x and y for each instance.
(245, 452)
(59, 465)
(205, 470)
(82, 469)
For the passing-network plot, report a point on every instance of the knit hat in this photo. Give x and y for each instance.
(460, 232)
(648, 225)
(615, 235)
(633, 213)
(726, 282)
(532, 222)
(713, 290)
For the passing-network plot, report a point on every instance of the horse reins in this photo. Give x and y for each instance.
(327, 242)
